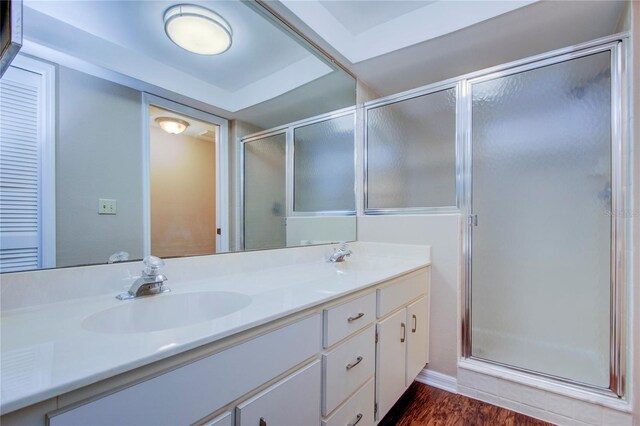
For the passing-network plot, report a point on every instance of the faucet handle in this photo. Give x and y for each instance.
(152, 265)
(342, 246)
(121, 256)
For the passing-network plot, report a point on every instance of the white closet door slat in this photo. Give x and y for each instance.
(19, 171)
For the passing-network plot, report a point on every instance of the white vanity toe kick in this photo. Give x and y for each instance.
(47, 352)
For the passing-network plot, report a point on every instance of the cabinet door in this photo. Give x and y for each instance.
(417, 338)
(391, 361)
(293, 401)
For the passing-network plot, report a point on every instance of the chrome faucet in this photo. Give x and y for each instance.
(151, 281)
(340, 253)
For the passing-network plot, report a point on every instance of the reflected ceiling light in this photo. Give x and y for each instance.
(197, 29)
(172, 125)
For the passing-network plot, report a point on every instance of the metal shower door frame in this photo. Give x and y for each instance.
(620, 157)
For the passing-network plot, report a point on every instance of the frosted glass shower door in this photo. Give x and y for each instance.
(264, 192)
(323, 166)
(541, 190)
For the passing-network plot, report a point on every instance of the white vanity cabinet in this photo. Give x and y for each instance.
(398, 337)
(403, 335)
(331, 364)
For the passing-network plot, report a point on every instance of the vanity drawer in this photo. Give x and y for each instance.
(357, 410)
(189, 393)
(292, 401)
(346, 368)
(402, 292)
(345, 319)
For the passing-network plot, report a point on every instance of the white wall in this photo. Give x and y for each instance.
(98, 155)
(442, 233)
(305, 230)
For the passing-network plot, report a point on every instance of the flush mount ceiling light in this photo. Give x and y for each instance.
(197, 29)
(172, 125)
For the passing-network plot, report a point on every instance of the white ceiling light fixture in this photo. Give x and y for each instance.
(197, 29)
(172, 125)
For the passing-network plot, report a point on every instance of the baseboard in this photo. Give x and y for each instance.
(438, 380)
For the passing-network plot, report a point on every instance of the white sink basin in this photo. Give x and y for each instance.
(165, 311)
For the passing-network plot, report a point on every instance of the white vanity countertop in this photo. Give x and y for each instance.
(46, 352)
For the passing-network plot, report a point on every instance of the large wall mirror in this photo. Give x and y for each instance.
(130, 128)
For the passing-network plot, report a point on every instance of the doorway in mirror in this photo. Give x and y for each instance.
(183, 184)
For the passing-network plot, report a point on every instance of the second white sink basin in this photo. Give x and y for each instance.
(165, 311)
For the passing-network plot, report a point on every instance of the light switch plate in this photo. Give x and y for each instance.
(107, 206)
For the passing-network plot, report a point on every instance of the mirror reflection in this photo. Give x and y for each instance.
(316, 204)
(182, 184)
(130, 128)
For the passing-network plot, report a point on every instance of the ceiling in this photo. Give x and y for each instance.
(127, 38)
(269, 78)
(358, 16)
(415, 55)
(328, 93)
(364, 29)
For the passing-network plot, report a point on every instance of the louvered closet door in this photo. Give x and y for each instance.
(20, 165)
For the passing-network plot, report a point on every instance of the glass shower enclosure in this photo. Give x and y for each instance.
(542, 174)
(299, 171)
(264, 196)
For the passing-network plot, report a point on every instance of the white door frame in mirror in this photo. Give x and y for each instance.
(222, 167)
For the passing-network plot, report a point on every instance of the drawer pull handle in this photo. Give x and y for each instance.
(357, 317)
(403, 336)
(358, 361)
(263, 422)
(415, 324)
(358, 418)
